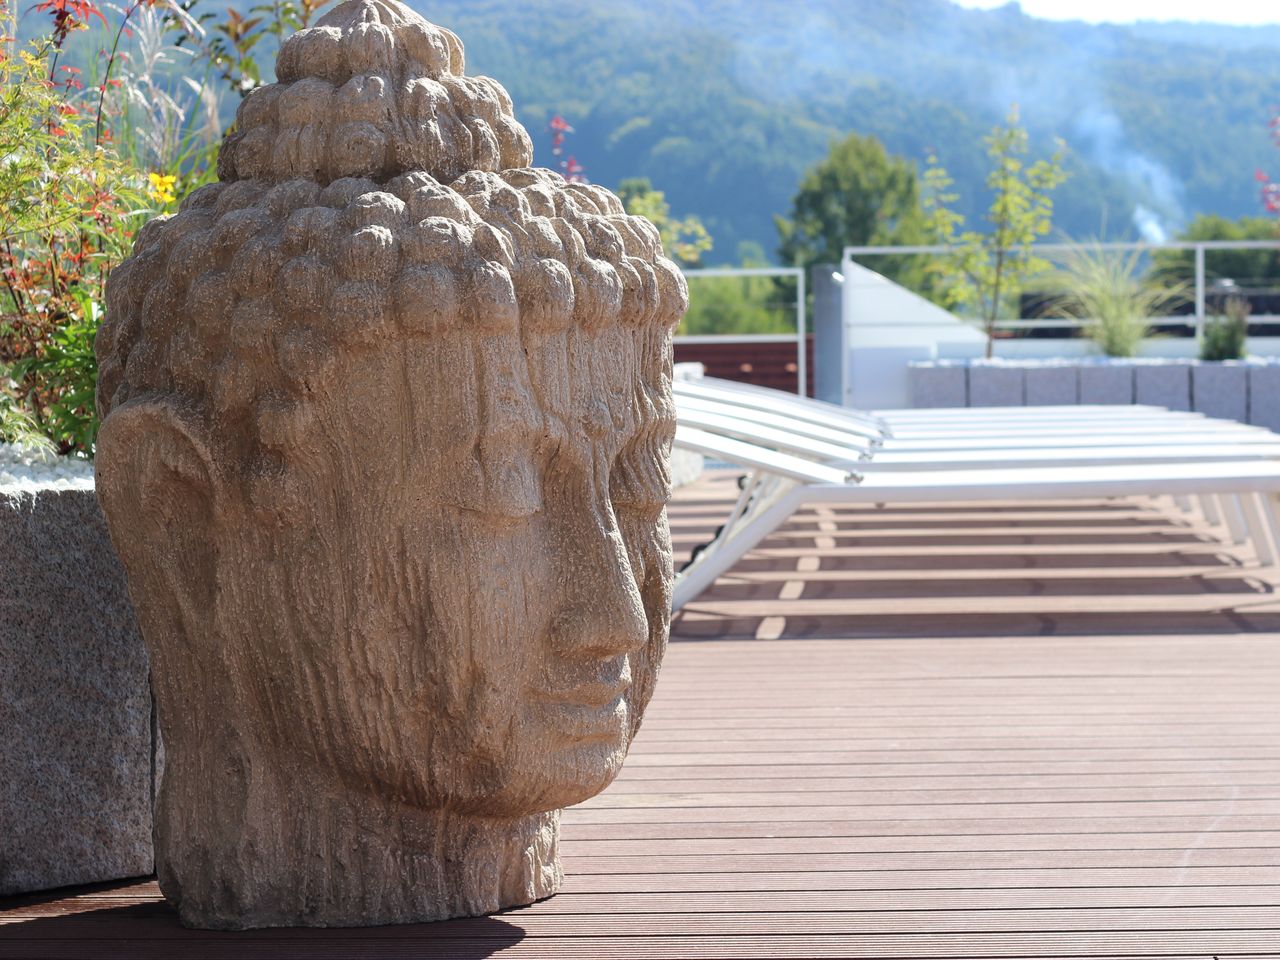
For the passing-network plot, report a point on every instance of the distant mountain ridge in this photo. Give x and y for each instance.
(724, 103)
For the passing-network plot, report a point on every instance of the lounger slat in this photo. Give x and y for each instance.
(751, 455)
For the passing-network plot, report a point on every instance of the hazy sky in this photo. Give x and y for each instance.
(1124, 11)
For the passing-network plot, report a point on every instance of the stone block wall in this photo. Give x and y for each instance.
(1052, 386)
(939, 385)
(1248, 392)
(75, 702)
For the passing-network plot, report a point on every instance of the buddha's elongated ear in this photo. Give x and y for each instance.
(157, 486)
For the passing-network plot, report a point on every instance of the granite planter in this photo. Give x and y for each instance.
(1106, 383)
(1163, 385)
(75, 704)
(996, 385)
(939, 385)
(1052, 385)
(1221, 390)
(1264, 396)
(1227, 390)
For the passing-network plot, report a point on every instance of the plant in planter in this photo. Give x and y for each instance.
(1225, 336)
(1105, 288)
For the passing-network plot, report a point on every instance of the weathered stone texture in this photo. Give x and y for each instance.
(1052, 384)
(1221, 390)
(1107, 384)
(1163, 384)
(385, 454)
(996, 385)
(939, 385)
(75, 709)
(1264, 395)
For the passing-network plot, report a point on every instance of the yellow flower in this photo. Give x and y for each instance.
(161, 189)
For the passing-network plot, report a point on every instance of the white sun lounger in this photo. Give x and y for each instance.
(1010, 423)
(1218, 440)
(1082, 435)
(888, 422)
(1210, 446)
(781, 483)
(1152, 429)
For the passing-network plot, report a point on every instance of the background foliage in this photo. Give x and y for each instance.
(725, 104)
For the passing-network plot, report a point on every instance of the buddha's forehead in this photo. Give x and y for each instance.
(591, 390)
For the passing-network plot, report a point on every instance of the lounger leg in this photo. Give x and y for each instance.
(1230, 507)
(749, 488)
(1183, 503)
(1270, 506)
(1258, 530)
(713, 562)
(1210, 510)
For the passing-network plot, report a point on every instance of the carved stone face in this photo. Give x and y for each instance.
(386, 419)
(482, 582)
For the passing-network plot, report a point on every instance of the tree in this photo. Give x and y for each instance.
(684, 239)
(858, 196)
(741, 304)
(985, 269)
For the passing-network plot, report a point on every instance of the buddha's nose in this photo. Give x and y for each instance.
(603, 613)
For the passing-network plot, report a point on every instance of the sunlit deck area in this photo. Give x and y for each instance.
(1024, 730)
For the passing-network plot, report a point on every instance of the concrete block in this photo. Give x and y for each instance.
(1052, 385)
(1106, 383)
(1163, 385)
(1264, 396)
(686, 466)
(938, 385)
(690, 371)
(75, 704)
(1221, 390)
(996, 385)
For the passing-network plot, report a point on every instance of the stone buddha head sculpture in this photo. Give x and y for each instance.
(386, 419)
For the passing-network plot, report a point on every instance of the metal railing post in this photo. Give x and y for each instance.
(801, 352)
(1199, 292)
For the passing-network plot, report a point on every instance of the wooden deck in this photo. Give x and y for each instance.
(1043, 730)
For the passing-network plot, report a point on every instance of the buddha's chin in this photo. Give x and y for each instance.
(567, 754)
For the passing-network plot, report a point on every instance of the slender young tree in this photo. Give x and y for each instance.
(986, 268)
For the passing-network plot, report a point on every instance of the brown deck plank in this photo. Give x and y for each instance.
(1026, 731)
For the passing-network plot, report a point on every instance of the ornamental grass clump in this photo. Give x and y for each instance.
(1225, 336)
(1106, 290)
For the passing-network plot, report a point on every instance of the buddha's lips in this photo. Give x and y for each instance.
(597, 686)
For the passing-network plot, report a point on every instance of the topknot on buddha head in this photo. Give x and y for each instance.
(373, 90)
(372, 196)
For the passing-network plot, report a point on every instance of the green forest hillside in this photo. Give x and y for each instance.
(723, 104)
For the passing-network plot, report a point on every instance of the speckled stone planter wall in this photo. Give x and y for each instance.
(1101, 383)
(1246, 391)
(1264, 396)
(1221, 390)
(939, 385)
(1052, 385)
(1163, 385)
(992, 385)
(75, 705)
